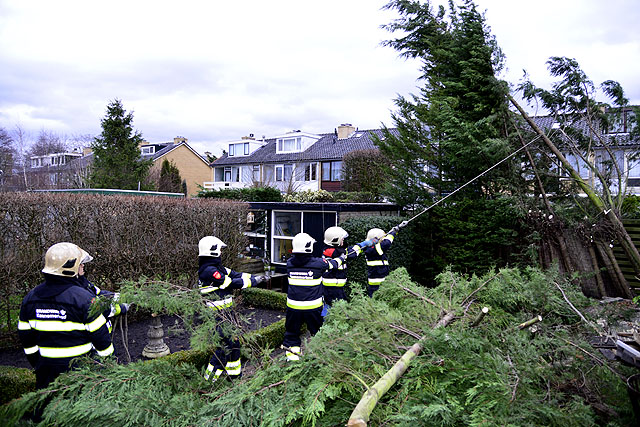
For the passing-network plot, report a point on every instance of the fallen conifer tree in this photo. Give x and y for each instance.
(493, 373)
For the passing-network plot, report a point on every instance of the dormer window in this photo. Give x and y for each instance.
(289, 145)
(232, 150)
(148, 150)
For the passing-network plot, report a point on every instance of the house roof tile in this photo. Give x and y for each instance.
(328, 147)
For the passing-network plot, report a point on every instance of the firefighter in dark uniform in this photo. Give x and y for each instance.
(217, 284)
(377, 262)
(304, 293)
(335, 279)
(55, 325)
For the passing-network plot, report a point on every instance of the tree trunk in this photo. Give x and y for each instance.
(596, 270)
(621, 232)
(360, 415)
(611, 264)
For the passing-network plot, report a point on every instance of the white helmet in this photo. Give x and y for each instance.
(335, 236)
(64, 259)
(210, 246)
(375, 233)
(303, 243)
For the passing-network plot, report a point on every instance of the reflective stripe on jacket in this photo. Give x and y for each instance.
(305, 280)
(376, 256)
(217, 283)
(55, 326)
(338, 276)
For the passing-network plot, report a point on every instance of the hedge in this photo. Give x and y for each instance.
(128, 237)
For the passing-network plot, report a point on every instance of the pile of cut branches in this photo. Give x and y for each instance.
(473, 369)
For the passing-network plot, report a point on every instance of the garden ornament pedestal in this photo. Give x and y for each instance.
(156, 347)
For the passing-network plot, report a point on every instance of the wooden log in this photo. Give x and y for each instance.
(360, 415)
(481, 315)
(528, 323)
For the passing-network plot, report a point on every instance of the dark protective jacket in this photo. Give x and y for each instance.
(55, 325)
(337, 277)
(217, 282)
(377, 262)
(305, 280)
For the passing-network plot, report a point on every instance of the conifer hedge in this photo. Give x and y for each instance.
(494, 373)
(128, 237)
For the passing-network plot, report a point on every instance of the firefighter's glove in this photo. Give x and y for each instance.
(342, 257)
(261, 279)
(403, 224)
(367, 243)
(124, 307)
(394, 230)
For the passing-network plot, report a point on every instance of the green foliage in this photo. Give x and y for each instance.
(308, 196)
(357, 197)
(455, 127)
(493, 374)
(631, 206)
(170, 180)
(470, 235)
(323, 196)
(14, 382)
(365, 170)
(253, 194)
(264, 298)
(117, 162)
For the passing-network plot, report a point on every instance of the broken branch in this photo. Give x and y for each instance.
(481, 315)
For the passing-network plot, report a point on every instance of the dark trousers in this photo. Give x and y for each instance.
(293, 323)
(46, 374)
(371, 289)
(333, 293)
(229, 349)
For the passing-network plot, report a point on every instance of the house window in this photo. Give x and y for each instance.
(218, 175)
(227, 174)
(310, 172)
(283, 172)
(579, 165)
(232, 150)
(633, 165)
(286, 224)
(255, 172)
(606, 166)
(621, 122)
(332, 171)
(246, 148)
(289, 144)
(148, 150)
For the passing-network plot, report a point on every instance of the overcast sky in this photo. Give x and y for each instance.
(215, 71)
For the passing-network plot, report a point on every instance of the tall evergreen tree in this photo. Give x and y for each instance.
(454, 129)
(7, 155)
(117, 162)
(170, 180)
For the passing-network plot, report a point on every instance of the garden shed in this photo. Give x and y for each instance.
(271, 226)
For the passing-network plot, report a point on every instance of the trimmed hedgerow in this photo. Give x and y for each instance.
(257, 194)
(128, 237)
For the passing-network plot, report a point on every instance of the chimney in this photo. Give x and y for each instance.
(345, 130)
(179, 140)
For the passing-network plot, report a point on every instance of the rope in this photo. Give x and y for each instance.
(125, 335)
(466, 183)
(473, 179)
